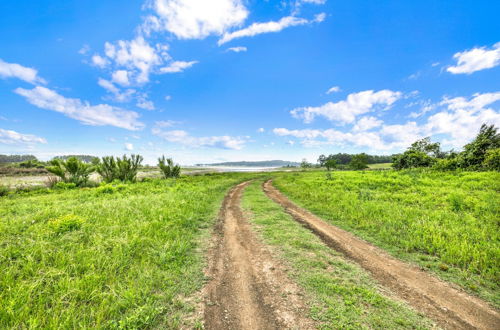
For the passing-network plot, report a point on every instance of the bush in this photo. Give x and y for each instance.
(168, 168)
(492, 160)
(109, 188)
(448, 164)
(412, 159)
(474, 153)
(64, 185)
(71, 170)
(66, 223)
(4, 191)
(123, 169)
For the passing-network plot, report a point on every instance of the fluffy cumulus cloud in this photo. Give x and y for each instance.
(455, 123)
(268, 27)
(476, 59)
(95, 115)
(177, 66)
(195, 19)
(184, 138)
(346, 111)
(13, 137)
(14, 70)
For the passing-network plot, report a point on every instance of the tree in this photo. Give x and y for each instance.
(168, 168)
(71, 170)
(474, 152)
(305, 164)
(330, 164)
(321, 160)
(359, 162)
(426, 146)
(492, 160)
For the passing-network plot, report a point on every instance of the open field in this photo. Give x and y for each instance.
(109, 257)
(133, 255)
(444, 222)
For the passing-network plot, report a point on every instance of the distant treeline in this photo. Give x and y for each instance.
(16, 158)
(262, 163)
(344, 159)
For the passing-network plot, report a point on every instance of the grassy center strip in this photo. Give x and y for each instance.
(341, 294)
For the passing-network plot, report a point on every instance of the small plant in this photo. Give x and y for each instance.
(66, 223)
(444, 267)
(64, 185)
(4, 191)
(123, 169)
(71, 170)
(168, 168)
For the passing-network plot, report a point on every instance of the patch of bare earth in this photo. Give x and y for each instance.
(248, 288)
(448, 306)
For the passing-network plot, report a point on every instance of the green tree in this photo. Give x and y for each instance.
(426, 146)
(123, 169)
(474, 152)
(330, 164)
(412, 159)
(168, 168)
(492, 160)
(71, 170)
(359, 162)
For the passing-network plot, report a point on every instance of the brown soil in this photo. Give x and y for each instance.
(448, 306)
(248, 288)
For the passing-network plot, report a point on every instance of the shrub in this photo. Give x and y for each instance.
(359, 162)
(474, 153)
(123, 169)
(31, 163)
(4, 191)
(64, 185)
(492, 160)
(110, 188)
(412, 159)
(71, 170)
(168, 168)
(330, 164)
(447, 164)
(66, 223)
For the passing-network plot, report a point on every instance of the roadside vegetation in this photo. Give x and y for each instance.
(117, 256)
(340, 293)
(446, 222)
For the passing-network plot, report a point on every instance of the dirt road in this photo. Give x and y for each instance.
(248, 288)
(449, 307)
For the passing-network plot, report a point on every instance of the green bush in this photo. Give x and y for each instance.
(66, 223)
(492, 160)
(4, 191)
(474, 153)
(168, 168)
(64, 185)
(447, 164)
(123, 169)
(412, 159)
(359, 162)
(71, 170)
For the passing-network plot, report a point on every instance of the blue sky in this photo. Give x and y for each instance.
(225, 80)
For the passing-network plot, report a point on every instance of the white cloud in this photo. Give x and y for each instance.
(237, 49)
(195, 19)
(177, 66)
(129, 146)
(84, 50)
(455, 125)
(166, 123)
(13, 137)
(14, 70)
(366, 124)
(347, 110)
(95, 115)
(120, 77)
(99, 61)
(334, 89)
(259, 28)
(476, 59)
(168, 97)
(316, 2)
(118, 95)
(144, 103)
(261, 130)
(138, 56)
(183, 138)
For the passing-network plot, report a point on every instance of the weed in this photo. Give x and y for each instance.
(66, 223)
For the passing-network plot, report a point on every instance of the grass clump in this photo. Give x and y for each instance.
(66, 223)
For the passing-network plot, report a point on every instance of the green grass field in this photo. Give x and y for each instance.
(445, 222)
(108, 257)
(341, 294)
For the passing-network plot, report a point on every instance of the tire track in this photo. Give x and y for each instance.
(449, 307)
(248, 288)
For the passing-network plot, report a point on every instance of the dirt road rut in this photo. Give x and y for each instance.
(449, 307)
(248, 288)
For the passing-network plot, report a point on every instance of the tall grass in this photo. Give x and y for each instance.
(96, 258)
(447, 222)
